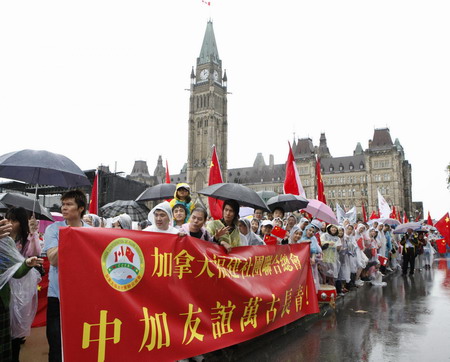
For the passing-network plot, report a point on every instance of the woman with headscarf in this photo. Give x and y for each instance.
(344, 260)
(123, 221)
(291, 224)
(225, 230)
(92, 220)
(161, 219)
(330, 245)
(246, 231)
(361, 260)
(256, 226)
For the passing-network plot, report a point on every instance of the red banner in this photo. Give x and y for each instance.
(143, 296)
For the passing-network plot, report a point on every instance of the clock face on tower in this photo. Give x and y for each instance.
(204, 74)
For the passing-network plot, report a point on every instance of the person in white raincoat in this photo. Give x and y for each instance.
(331, 244)
(162, 220)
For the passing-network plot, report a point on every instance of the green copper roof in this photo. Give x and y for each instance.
(209, 47)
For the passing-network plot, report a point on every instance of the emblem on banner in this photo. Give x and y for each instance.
(123, 264)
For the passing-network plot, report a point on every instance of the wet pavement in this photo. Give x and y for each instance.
(407, 320)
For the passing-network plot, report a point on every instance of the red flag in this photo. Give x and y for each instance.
(360, 243)
(418, 217)
(215, 177)
(129, 254)
(167, 173)
(441, 246)
(393, 214)
(405, 218)
(374, 215)
(320, 188)
(270, 240)
(443, 226)
(292, 184)
(429, 220)
(364, 213)
(93, 203)
(279, 232)
(40, 318)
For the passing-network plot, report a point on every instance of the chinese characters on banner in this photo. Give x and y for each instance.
(141, 296)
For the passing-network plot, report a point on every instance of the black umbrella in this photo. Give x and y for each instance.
(28, 203)
(42, 168)
(287, 202)
(158, 192)
(242, 194)
(137, 212)
(266, 195)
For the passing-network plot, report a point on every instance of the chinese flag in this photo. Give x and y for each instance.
(429, 220)
(270, 240)
(93, 204)
(292, 184)
(215, 177)
(40, 318)
(364, 213)
(441, 246)
(320, 188)
(443, 226)
(279, 232)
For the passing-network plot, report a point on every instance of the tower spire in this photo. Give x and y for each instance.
(209, 51)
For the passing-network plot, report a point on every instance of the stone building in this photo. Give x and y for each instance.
(349, 180)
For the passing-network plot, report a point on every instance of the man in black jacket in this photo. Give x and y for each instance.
(410, 245)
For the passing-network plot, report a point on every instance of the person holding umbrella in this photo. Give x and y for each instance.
(73, 208)
(225, 230)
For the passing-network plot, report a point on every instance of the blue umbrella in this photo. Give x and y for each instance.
(42, 168)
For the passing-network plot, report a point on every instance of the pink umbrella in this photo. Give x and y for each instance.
(321, 211)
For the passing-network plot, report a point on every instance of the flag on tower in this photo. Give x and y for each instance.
(215, 177)
(93, 203)
(292, 184)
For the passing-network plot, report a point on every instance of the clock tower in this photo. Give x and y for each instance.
(207, 113)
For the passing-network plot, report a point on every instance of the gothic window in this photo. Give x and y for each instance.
(351, 167)
(198, 102)
(339, 193)
(331, 168)
(207, 103)
(341, 167)
(333, 193)
(361, 165)
(387, 190)
(206, 123)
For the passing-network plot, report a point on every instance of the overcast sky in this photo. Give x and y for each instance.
(104, 81)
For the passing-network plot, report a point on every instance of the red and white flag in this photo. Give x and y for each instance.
(292, 184)
(215, 177)
(93, 203)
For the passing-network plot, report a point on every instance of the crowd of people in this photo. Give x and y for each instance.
(344, 256)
